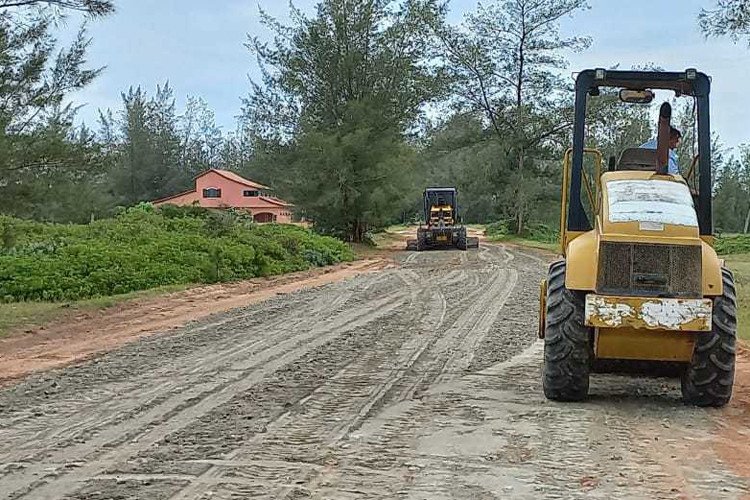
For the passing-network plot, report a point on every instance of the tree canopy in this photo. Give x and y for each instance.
(360, 105)
(727, 18)
(93, 8)
(339, 92)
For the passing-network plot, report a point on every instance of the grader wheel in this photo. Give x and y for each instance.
(421, 240)
(461, 239)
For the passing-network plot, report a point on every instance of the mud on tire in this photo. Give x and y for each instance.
(567, 341)
(709, 379)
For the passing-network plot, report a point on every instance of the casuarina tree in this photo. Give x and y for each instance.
(504, 60)
(339, 92)
(727, 18)
(93, 8)
(40, 147)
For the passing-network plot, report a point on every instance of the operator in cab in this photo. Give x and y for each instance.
(674, 139)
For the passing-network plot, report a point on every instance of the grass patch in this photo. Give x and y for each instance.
(366, 250)
(538, 236)
(36, 314)
(739, 264)
(388, 238)
(28, 313)
(727, 244)
(525, 242)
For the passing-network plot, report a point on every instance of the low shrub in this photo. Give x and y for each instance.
(731, 244)
(534, 231)
(496, 229)
(144, 248)
(542, 232)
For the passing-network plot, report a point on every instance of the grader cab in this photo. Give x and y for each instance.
(639, 283)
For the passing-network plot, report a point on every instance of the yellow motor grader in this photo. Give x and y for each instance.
(442, 228)
(639, 282)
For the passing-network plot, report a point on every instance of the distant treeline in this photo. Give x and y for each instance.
(361, 106)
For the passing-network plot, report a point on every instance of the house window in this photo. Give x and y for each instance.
(251, 193)
(212, 193)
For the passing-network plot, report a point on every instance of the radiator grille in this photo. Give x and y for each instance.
(658, 270)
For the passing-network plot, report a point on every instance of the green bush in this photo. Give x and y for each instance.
(174, 211)
(535, 232)
(143, 248)
(729, 244)
(542, 232)
(496, 229)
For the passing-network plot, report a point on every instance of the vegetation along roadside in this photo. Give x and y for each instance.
(143, 248)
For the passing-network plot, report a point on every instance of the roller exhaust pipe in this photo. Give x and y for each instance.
(662, 139)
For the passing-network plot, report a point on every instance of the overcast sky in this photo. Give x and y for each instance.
(198, 47)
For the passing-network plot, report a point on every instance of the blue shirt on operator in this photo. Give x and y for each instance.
(672, 156)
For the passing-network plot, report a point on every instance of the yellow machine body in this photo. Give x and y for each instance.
(635, 326)
(638, 344)
(441, 214)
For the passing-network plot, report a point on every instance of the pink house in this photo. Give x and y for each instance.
(224, 189)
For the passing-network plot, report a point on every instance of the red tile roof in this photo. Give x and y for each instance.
(276, 201)
(167, 198)
(255, 202)
(233, 177)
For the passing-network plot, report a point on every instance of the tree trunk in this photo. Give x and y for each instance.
(520, 200)
(747, 220)
(519, 123)
(359, 229)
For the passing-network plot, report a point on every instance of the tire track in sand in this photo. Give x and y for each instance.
(333, 410)
(329, 418)
(183, 408)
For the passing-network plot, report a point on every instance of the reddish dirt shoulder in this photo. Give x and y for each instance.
(27, 351)
(732, 442)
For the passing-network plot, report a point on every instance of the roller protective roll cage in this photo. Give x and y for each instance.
(689, 82)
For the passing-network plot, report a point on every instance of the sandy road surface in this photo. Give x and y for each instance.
(418, 382)
(72, 339)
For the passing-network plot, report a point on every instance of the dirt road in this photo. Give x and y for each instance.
(73, 338)
(416, 382)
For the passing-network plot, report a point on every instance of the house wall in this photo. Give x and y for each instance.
(231, 192)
